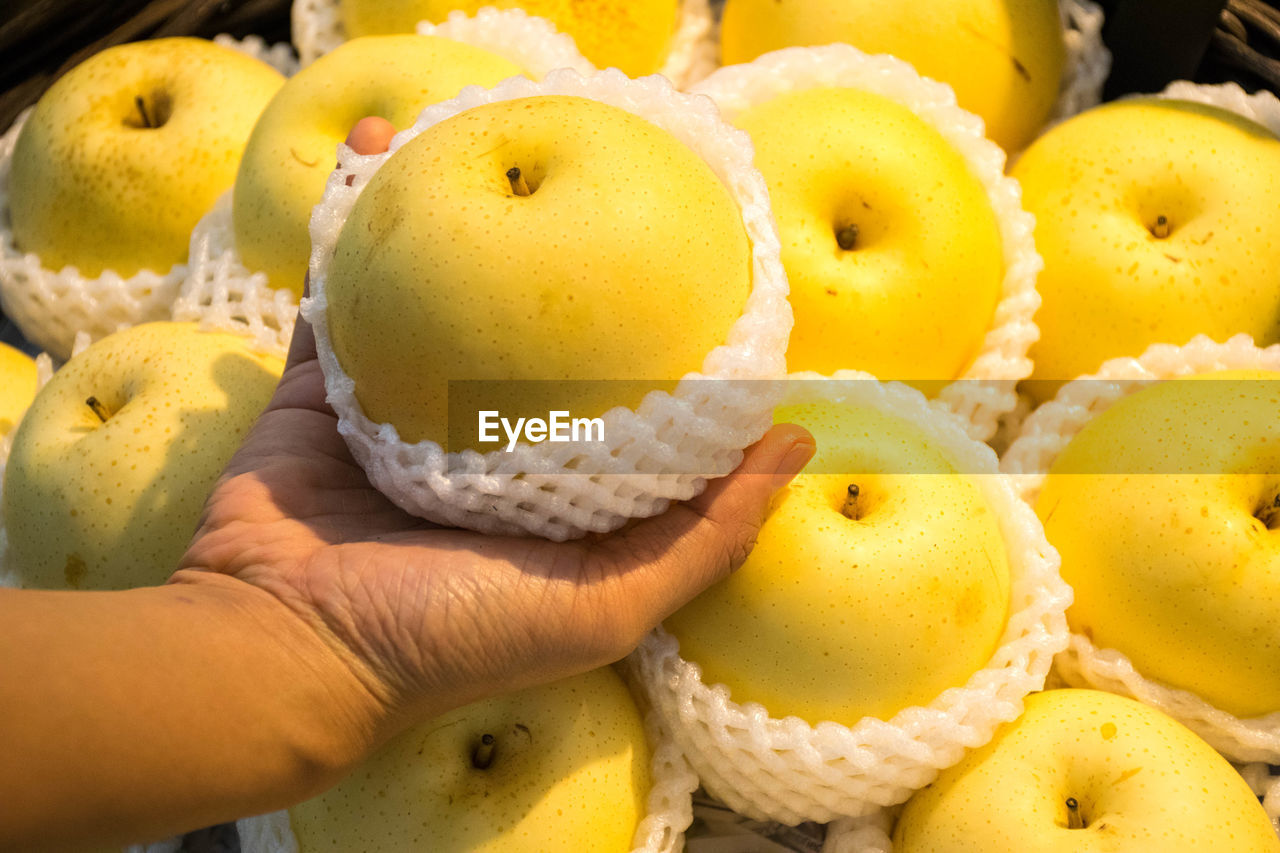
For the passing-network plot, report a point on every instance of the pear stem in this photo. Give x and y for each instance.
(1075, 820)
(482, 755)
(98, 409)
(847, 237)
(850, 508)
(1161, 229)
(518, 184)
(142, 111)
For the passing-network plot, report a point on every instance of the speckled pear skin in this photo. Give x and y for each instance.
(90, 504)
(838, 618)
(1159, 508)
(17, 386)
(1111, 287)
(633, 35)
(569, 772)
(913, 291)
(1140, 780)
(628, 260)
(93, 187)
(290, 153)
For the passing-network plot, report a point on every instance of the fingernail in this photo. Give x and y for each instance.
(793, 461)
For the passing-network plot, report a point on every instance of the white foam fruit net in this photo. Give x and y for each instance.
(1002, 359)
(791, 770)
(1088, 60)
(669, 806)
(662, 451)
(51, 307)
(1262, 107)
(1045, 433)
(527, 40)
(221, 293)
(318, 29)
(867, 834)
(279, 56)
(1266, 784)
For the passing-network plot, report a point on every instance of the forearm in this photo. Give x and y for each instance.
(158, 710)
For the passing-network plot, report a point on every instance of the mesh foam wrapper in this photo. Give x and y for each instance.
(317, 29)
(279, 56)
(1088, 60)
(868, 834)
(1265, 782)
(669, 806)
(791, 771)
(677, 441)
(1003, 355)
(221, 294)
(1263, 107)
(527, 40)
(1045, 433)
(50, 307)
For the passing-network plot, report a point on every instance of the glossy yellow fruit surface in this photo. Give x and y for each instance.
(839, 614)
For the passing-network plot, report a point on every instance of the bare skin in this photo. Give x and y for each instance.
(311, 620)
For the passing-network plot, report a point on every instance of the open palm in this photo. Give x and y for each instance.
(431, 618)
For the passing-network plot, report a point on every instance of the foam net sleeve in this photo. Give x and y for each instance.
(790, 770)
(667, 447)
(222, 294)
(867, 834)
(1088, 60)
(527, 40)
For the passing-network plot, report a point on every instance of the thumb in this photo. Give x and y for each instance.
(370, 135)
(672, 557)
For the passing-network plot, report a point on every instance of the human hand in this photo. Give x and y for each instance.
(428, 618)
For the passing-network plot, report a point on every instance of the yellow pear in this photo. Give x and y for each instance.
(879, 579)
(542, 238)
(1164, 511)
(632, 36)
(561, 767)
(112, 463)
(888, 238)
(1082, 770)
(125, 153)
(1157, 221)
(17, 386)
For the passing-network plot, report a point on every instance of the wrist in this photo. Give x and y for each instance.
(319, 700)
